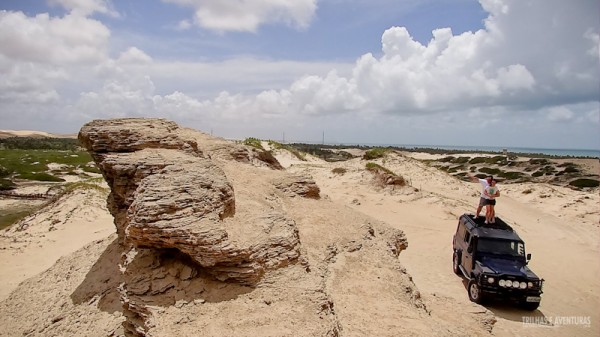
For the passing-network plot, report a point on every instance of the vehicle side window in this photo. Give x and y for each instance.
(467, 236)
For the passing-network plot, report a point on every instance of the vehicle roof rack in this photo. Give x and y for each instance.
(480, 222)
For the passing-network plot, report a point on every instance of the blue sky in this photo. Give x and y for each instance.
(520, 73)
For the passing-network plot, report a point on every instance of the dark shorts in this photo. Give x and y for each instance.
(483, 202)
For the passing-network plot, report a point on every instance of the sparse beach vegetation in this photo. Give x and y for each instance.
(339, 170)
(375, 153)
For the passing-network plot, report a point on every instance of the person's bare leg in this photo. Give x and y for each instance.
(479, 207)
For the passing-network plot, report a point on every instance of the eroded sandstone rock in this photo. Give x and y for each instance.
(167, 198)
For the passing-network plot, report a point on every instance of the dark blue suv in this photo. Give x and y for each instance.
(492, 257)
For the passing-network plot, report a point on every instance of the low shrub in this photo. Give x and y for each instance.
(375, 153)
(584, 183)
(339, 170)
(448, 159)
(527, 191)
(254, 142)
(91, 169)
(537, 174)
(510, 175)
(7, 185)
(40, 176)
(376, 167)
(477, 160)
(488, 170)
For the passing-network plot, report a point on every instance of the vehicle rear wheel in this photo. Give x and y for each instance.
(474, 292)
(456, 264)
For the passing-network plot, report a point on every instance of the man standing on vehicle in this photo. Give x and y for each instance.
(483, 200)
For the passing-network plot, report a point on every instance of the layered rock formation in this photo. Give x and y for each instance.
(165, 195)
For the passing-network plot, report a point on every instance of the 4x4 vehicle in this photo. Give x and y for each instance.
(492, 257)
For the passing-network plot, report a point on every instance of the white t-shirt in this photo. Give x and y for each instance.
(484, 185)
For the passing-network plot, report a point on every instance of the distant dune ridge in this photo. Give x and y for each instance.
(33, 134)
(210, 237)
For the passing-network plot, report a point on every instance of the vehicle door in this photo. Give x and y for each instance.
(467, 256)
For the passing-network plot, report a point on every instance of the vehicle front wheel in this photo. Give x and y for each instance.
(456, 264)
(474, 290)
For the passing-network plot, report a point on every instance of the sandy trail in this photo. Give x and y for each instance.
(562, 235)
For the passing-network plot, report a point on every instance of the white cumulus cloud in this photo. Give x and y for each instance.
(248, 15)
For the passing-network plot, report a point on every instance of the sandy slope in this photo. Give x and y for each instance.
(38, 241)
(560, 227)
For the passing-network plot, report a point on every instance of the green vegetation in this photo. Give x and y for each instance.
(9, 218)
(584, 183)
(40, 176)
(376, 167)
(278, 146)
(375, 153)
(385, 176)
(33, 164)
(323, 152)
(511, 175)
(90, 184)
(491, 171)
(28, 158)
(498, 160)
(31, 143)
(339, 170)
(254, 142)
(6, 184)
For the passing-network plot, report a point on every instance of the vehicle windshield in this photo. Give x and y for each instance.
(501, 247)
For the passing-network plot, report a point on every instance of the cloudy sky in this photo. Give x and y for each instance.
(511, 73)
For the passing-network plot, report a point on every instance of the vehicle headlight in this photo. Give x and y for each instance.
(515, 284)
(490, 280)
(530, 284)
(523, 285)
(502, 283)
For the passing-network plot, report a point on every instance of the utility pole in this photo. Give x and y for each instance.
(283, 141)
(323, 137)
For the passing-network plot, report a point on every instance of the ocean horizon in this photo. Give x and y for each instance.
(500, 149)
(588, 153)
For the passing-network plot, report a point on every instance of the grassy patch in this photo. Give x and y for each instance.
(254, 142)
(6, 185)
(511, 175)
(85, 185)
(339, 170)
(40, 176)
(375, 153)
(498, 160)
(491, 171)
(376, 167)
(24, 161)
(91, 169)
(584, 183)
(278, 146)
(9, 218)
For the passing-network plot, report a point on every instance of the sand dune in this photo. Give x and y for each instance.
(559, 225)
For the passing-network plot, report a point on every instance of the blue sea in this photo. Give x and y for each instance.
(530, 150)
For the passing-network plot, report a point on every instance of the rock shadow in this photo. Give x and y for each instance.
(158, 277)
(163, 277)
(102, 281)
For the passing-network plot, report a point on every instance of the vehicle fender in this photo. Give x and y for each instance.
(458, 253)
